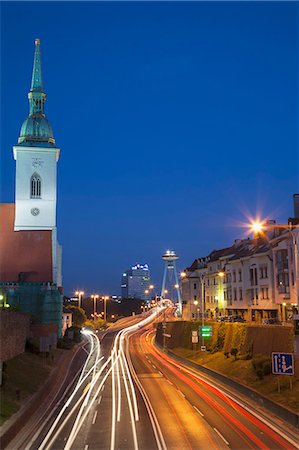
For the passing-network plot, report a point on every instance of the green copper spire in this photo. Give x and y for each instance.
(36, 130)
(37, 82)
(36, 96)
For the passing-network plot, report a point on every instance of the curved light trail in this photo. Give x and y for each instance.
(115, 366)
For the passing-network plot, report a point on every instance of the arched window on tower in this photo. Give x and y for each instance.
(35, 186)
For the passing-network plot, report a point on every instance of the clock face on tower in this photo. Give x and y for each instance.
(37, 163)
(35, 211)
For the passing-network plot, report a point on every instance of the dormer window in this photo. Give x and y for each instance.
(35, 186)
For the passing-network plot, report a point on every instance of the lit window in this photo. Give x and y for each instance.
(35, 185)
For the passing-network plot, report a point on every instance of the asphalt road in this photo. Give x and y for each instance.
(133, 396)
(192, 412)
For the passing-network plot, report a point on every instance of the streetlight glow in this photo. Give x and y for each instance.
(94, 297)
(79, 294)
(257, 227)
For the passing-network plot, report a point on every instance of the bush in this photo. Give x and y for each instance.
(234, 352)
(32, 346)
(261, 365)
(260, 373)
(65, 344)
(246, 357)
(267, 367)
(220, 337)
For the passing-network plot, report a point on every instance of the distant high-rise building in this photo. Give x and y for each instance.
(135, 281)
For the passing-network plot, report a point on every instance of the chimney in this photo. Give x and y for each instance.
(270, 228)
(296, 206)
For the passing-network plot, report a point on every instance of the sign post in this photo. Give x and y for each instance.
(194, 338)
(282, 364)
(205, 333)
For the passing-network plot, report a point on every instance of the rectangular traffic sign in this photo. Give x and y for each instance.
(206, 331)
(282, 363)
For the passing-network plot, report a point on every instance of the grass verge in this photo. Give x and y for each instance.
(243, 372)
(22, 377)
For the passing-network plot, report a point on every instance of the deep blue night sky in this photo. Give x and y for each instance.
(174, 120)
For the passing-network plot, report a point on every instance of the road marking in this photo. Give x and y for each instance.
(154, 366)
(94, 417)
(220, 435)
(103, 388)
(99, 401)
(86, 447)
(161, 373)
(197, 410)
(169, 382)
(183, 395)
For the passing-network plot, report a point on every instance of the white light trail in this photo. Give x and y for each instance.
(116, 366)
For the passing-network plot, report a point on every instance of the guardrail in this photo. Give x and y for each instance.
(280, 411)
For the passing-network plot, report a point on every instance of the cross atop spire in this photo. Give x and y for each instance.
(36, 96)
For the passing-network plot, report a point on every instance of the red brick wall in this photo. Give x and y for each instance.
(42, 329)
(23, 251)
(14, 329)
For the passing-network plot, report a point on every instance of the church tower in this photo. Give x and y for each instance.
(36, 156)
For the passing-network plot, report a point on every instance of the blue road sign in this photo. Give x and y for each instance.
(282, 363)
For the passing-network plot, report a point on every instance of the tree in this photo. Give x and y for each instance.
(79, 316)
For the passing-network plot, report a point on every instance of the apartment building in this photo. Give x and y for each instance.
(253, 278)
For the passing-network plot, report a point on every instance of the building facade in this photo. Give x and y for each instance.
(135, 282)
(255, 279)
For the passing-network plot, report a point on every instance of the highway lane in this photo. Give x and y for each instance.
(235, 426)
(115, 415)
(132, 396)
(181, 425)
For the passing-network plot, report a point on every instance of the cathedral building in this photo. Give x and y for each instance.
(30, 255)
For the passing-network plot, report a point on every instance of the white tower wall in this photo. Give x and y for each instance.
(35, 213)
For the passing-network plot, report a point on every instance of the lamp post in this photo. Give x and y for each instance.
(195, 303)
(94, 297)
(80, 295)
(105, 298)
(202, 286)
(220, 290)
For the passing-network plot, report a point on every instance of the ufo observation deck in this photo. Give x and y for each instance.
(170, 255)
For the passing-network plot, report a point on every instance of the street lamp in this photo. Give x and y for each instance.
(79, 295)
(293, 230)
(94, 297)
(105, 298)
(195, 303)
